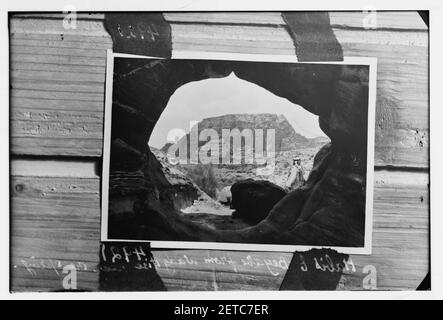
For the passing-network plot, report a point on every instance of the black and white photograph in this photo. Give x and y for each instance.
(239, 152)
(213, 149)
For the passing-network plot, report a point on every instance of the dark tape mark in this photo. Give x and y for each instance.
(313, 37)
(424, 14)
(140, 33)
(425, 284)
(316, 269)
(128, 266)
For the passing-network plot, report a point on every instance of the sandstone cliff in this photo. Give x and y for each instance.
(288, 145)
(286, 138)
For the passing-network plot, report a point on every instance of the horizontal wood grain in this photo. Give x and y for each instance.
(402, 111)
(49, 85)
(54, 168)
(56, 218)
(51, 146)
(398, 20)
(57, 101)
(229, 38)
(350, 19)
(354, 19)
(245, 18)
(56, 15)
(58, 60)
(56, 222)
(400, 246)
(223, 270)
(88, 28)
(57, 87)
(53, 70)
(61, 39)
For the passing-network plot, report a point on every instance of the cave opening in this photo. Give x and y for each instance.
(248, 113)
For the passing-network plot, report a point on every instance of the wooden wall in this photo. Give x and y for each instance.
(56, 118)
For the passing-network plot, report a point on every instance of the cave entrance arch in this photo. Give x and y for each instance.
(229, 95)
(327, 211)
(249, 113)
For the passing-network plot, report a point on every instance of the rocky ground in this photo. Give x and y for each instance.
(212, 212)
(203, 210)
(288, 145)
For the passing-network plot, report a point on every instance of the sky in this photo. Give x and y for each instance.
(230, 95)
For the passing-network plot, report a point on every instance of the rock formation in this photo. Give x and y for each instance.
(253, 200)
(286, 138)
(328, 210)
(288, 145)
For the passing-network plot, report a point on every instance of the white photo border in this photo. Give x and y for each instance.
(157, 244)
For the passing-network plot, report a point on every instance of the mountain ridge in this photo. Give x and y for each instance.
(286, 138)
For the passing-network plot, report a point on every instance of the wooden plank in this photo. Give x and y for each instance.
(44, 50)
(402, 115)
(55, 15)
(58, 76)
(55, 95)
(57, 87)
(60, 38)
(54, 168)
(57, 218)
(60, 41)
(53, 145)
(51, 85)
(40, 131)
(58, 59)
(55, 223)
(229, 38)
(87, 28)
(354, 19)
(400, 20)
(400, 251)
(57, 104)
(244, 18)
(409, 20)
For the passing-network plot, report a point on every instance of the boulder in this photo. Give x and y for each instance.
(254, 199)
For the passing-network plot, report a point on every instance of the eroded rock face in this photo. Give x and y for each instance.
(181, 190)
(253, 200)
(142, 88)
(286, 138)
(334, 209)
